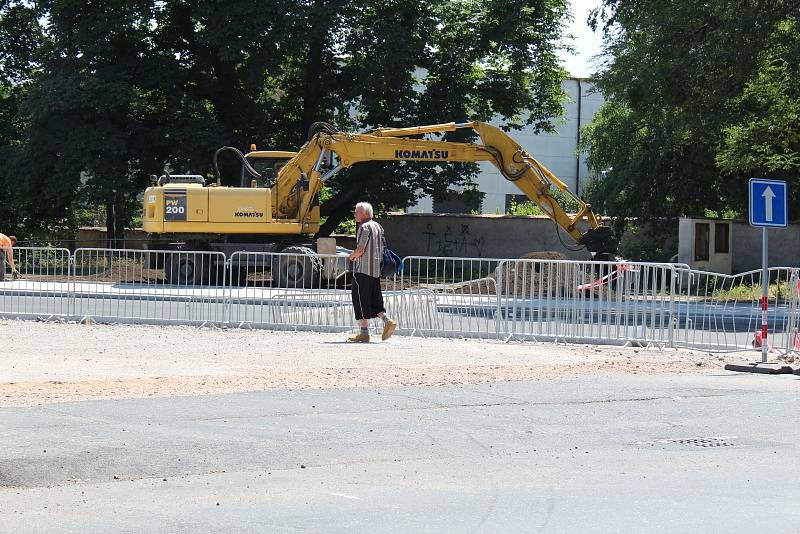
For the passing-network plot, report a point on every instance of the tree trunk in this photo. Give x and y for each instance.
(111, 223)
(115, 221)
(337, 208)
(312, 87)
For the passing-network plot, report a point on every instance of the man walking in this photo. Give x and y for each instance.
(367, 296)
(7, 256)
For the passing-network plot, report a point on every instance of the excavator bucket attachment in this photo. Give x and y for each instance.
(601, 242)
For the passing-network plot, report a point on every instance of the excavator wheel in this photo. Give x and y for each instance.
(182, 269)
(300, 268)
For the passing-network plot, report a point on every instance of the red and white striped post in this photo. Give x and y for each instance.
(764, 294)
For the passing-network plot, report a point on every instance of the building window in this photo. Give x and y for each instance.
(722, 232)
(701, 238)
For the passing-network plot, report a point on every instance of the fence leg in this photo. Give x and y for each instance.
(71, 288)
(672, 318)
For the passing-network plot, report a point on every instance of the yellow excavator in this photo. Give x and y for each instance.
(275, 208)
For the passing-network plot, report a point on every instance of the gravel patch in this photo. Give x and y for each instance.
(50, 362)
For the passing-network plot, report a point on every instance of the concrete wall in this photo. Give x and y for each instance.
(474, 236)
(90, 237)
(745, 247)
(784, 247)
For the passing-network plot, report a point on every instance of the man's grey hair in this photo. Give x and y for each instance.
(366, 207)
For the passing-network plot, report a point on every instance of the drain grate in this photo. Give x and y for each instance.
(700, 442)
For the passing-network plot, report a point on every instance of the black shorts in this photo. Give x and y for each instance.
(367, 296)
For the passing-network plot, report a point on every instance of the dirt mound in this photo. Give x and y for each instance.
(512, 277)
(544, 255)
(531, 279)
(130, 270)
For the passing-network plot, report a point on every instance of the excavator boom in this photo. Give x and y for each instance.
(299, 181)
(280, 212)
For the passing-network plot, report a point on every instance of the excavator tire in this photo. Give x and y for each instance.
(300, 268)
(182, 269)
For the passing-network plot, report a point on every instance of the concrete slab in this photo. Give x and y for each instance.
(768, 368)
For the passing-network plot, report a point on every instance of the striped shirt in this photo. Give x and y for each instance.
(370, 236)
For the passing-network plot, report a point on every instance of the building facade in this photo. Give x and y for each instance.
(558, 151)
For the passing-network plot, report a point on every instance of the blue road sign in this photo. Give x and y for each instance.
(768, 203)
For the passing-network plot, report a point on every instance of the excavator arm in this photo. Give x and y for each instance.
(300, 180)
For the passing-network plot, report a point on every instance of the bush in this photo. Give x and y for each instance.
(562, 198)
(656, 242)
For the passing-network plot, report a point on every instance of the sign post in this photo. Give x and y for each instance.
(768, 209)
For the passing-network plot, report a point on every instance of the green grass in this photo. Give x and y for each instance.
(748, 293)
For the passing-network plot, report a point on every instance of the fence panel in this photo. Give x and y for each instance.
(461, 294)
(723, 312)
(586, 301)
(289, 290)
(595, 302)
(155, 286)
(43, 289)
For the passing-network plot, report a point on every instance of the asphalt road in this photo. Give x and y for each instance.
(608, 453)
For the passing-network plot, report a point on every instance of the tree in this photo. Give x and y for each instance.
(673, 70)
(21, 36)
(92, 112)
(433, 62)
(765, 139)
(119, 90)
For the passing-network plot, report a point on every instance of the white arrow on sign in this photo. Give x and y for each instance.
(768, 196)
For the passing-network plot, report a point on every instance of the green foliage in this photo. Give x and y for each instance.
(752, 293)
(347, 227)
(524, 208)
(765, 140)
(21, 36)
(104, 94)
(723, 214)
(690, 92)
(653, 241)
(563, 198)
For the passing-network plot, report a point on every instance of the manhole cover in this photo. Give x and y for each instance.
(700, 442)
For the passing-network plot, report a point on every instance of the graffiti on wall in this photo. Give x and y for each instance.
(452, 241)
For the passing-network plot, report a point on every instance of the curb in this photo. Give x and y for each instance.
(762, 368)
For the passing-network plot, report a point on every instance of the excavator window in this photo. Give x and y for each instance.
(262, 165)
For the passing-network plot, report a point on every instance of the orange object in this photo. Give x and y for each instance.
(757, 340)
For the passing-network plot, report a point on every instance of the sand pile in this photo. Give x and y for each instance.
(531, 279)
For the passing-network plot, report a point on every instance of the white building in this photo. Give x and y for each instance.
(556, 151)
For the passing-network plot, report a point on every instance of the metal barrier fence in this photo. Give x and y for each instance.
(281, 290)
(581, 301)
(549, 299)
(45, 289)
(464, 291)
(723, 312)
(137, 285)
(586, 301)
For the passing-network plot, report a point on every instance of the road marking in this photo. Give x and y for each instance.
(344, 495)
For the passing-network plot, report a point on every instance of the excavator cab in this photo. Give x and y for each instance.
(267, 163)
